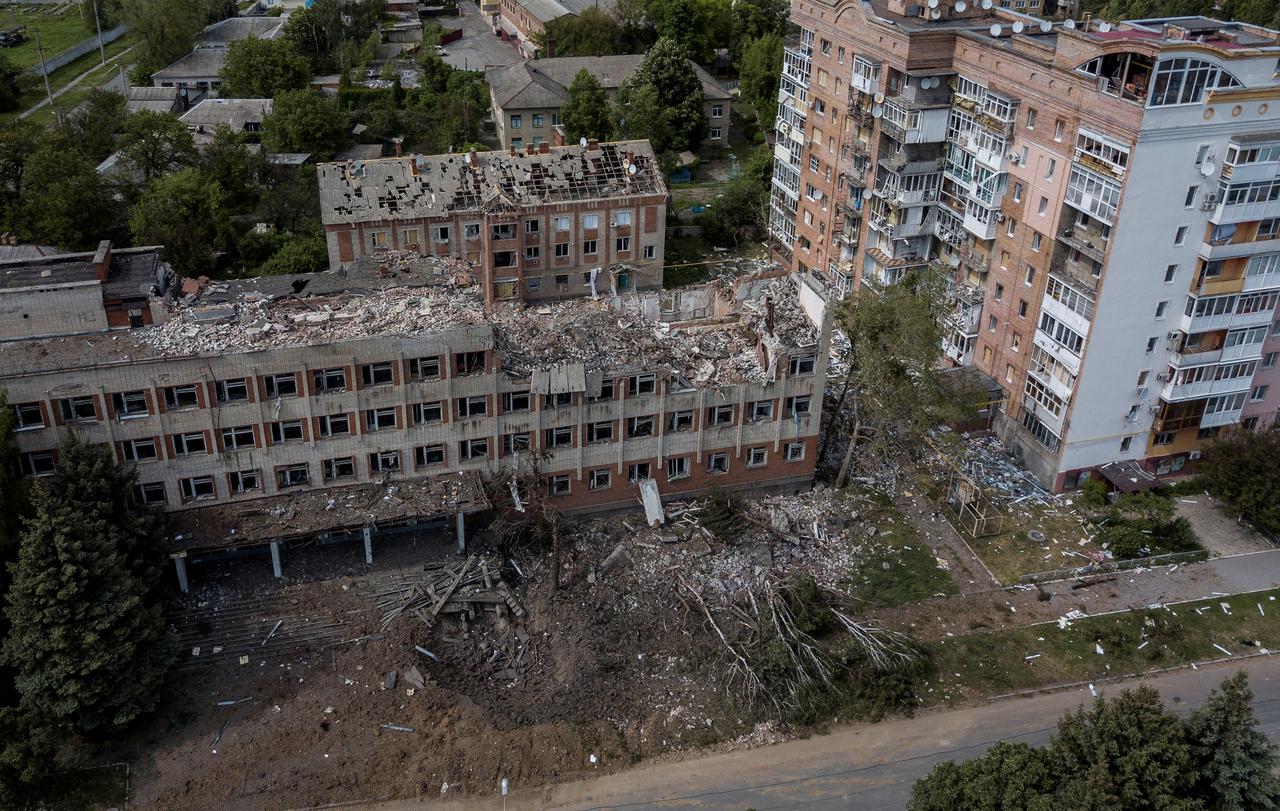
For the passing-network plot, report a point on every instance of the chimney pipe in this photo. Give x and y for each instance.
(592, 144)
(544, 148)
(529, 149)
(473, 159)
(768, 315)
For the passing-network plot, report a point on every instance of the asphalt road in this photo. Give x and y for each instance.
(478, 48)
(868, 766)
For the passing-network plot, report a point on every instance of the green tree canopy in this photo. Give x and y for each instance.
(66, 203)
(1244, 469)
(305, 121)
(586, 113)
(591, 32)
(12, 83)
(662, 101)
(699, 27)
(166, 29)
(1237, 761)
(758, 70)
(93, 126)
(740, 213)
(185, 212)
(263, 68)
(300, 253)
(154, 144)
(88, 637)
(228, 161)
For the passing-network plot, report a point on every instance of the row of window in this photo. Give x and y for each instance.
(561, 250)
(343, 469)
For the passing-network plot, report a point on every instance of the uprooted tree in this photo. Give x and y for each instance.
(889, 397)
(531, 519)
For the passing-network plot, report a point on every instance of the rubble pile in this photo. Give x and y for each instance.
(983, 458)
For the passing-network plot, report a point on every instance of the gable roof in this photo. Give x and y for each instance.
(233, 29)
(545, 82)
(200, 63)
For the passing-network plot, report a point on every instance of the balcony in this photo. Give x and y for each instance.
(1088, 241)
(1226, 249)
(906, 260)
(1261, 281)
(1205, 388)
(1221, 418)
(1222, 213)
(1210, 323)
(1076, 271)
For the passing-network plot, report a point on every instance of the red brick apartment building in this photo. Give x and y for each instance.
(542, 223)
(308, 396)
(1106, 193)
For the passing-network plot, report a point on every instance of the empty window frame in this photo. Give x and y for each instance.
(281, 385)
(130, 405)
(292, 475)
(515, 401)
(197, 488)
(425, 368)
(638, 471)
(286, 431)
(517, 442)
(139, 450)
(562, 399)
(640, 427)
(677, 468)
(151, 493)
(334, 424)
(241, 436)
(232, 391)
(477, 406)
(720, 415)
(559, 437)
(428, 455)
(798, 406)
(793, 451)
(194, 442)
(599, 479)
(384, 462)
(760, 411)
(179, 397)
(641, 384)
(803, 365)
(29, 416)
(380, 419)
(558, 485)
(474, 448)
(717, 463)
(600, 431)
(757, 457)
(468, 363)
(329, 380)
(678, 421)
(377, 374)
(342, 467)
(428, 413)
(244, 481)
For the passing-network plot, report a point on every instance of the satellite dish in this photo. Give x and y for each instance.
(1069, 24)
(996, 29)
(879, 97)
(582, 141)
(466, 158)
(933, 3)
(1017, 27)
(932, 81)
(1208, 168)
(955, 261)
(961, 6)
(1104, 26)
(986, 4)
(877, 111)
(936, 13)
(1046, 26)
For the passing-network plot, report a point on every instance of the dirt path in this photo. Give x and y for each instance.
(970, 573)
(71, 84)
(1220, 533)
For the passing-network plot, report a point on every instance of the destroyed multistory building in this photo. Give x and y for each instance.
(1106, 194)
(248, 390)
(538, 224)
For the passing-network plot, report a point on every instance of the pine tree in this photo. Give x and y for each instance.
(586, 113)
(1235, 760)
(88, 638)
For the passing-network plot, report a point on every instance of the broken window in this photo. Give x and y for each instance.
(606, 392)
(599, 479)
(384, 462)
(281, 385)
(232, 391)
(515, 401)
(189, 443)
(504, 231)
(468, 363)
(377, 374)
(130, 404)
(679, 421)
(558, 485)
(677, 467)
(197, 488)
(343, 467)
(532, 226)
(471, 230)
(38, 463)
(640, 427)
(803, 365)
(474, 448)
(428, 455)
(330, 380)
(757, 457)
(638, 471)
(477, 406)
(78, 409)
(378, 419)
(760, 410)
(600, 431)
(139, 450)
(798, 406)
(244, 481)
(29, 416)
(515, 443)
(504, 259)
(641, 384)
(442, 234)
(292, 475)
(176, 397)
(718, 463)
(426, 413)
(561, 400)
(559, 437)
(793, 452)
(334, 424)
(238, 437)
(425, 368)
(149, 493)
(286, 431)
(720, 415)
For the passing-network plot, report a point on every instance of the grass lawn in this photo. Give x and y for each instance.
(1131, 643)
(898, 567)
(58, 32)
(59, 78)
(1012, 553)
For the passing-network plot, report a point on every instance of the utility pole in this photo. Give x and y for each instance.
(102, 50)
(43, 73)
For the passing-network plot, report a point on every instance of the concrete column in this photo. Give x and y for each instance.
(462, 534)
(180, 564)
(275, 560)
(368, 545)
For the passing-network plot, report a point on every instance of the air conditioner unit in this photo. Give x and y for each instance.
(1172, 335)
(613, 223)
(1163, 377)
(1194, 455)
(784, 128)
(1210, 202)
(1014, 158)
(999, 216)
